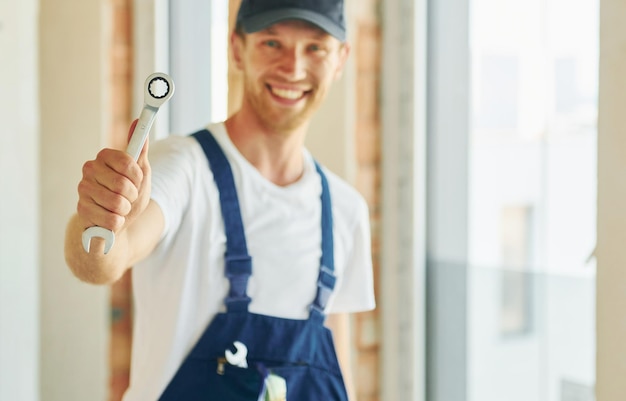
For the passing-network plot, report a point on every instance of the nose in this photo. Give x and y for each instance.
(293, 65)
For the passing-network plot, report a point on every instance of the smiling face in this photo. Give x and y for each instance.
(288, 69)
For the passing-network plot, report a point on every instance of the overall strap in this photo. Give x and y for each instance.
(326, 279)
(238, 263)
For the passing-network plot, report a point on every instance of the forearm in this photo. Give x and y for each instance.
(339, 324)
(133, 243)
(95, 267)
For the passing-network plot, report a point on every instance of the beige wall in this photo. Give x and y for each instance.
(74, 316)
(330, 138)
(611, 251)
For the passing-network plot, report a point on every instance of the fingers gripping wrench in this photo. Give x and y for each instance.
(158, 89)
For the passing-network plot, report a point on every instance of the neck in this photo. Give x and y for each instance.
(277, 155)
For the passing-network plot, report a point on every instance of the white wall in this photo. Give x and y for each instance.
(19, 203)
(73, 74)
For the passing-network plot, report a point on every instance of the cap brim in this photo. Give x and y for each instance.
(261, 21)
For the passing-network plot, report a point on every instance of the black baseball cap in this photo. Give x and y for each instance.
(256, 15)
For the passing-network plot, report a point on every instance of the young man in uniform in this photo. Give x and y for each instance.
(174, 224)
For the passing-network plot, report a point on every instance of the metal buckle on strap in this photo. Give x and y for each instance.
(325, 285)
(314, 308)
(326, 278)
(323, 295)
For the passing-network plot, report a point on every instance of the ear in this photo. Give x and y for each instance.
(236, 44)
(344, 52)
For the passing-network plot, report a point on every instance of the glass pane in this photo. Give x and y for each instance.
(532, 200)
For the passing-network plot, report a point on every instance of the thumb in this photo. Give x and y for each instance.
(144, 150)
(132, 128)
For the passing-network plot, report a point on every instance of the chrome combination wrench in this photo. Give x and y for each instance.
(158, 89)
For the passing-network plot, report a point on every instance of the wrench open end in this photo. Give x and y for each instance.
(239, 357)
(95, 231)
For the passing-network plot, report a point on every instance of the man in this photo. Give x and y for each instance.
(172, 221)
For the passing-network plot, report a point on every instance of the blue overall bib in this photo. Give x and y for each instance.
(300, 351)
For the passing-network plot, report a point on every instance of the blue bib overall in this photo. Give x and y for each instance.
(300, 351)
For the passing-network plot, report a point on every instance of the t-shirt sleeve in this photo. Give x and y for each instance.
(171, 163)
(354, 291)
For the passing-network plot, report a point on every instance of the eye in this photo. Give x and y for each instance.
(317, 48)
(272, 43)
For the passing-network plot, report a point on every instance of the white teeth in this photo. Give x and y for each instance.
(287, 93)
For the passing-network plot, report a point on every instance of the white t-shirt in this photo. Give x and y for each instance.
(181, 286)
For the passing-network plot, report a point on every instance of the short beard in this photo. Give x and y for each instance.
(279, 123)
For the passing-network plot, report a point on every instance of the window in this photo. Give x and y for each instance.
(511, 217)
(516, 231)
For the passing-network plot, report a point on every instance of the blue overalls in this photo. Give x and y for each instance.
(300, 351)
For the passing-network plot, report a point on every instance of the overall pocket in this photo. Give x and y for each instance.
(214, 380)
(228, 382)
(307, 383)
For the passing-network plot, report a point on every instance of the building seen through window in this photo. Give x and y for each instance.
(532, 199)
